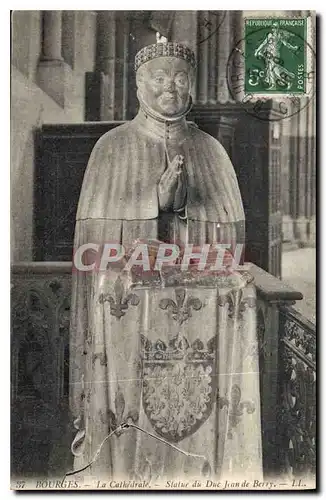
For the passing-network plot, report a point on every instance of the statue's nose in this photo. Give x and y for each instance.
(169, 86)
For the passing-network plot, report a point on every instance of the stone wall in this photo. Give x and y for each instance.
(32, 106)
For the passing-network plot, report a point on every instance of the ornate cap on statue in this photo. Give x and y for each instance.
(164, 48)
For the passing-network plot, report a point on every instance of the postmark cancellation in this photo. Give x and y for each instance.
(274, 59)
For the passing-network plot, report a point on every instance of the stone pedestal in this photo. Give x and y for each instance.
(40, 318)
(149, 362)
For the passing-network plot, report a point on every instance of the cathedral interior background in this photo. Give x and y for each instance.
(72, 80)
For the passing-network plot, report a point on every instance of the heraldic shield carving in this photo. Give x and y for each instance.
(179, 385)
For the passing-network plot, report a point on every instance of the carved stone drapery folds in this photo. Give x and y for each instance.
(165, 345)
(40, 322)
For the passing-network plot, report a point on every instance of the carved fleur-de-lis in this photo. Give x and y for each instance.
(119, 304)
(221, 401)
(236, 407)
(117, 418)
(102, 357)
(247, 302)
(232, 299)
(229, 299)
(181, 308)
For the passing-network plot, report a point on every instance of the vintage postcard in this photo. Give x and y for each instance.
(163, 234)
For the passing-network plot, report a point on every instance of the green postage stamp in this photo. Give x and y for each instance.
(276, 56)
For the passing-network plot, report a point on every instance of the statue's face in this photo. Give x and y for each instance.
(164, 84)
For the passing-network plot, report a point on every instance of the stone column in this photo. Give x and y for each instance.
(122, 73)
(300, 174)
(286, 151)
(184, 28)
(70, 24)
(52, 70)
(52, 35)
(312, 170)
(236, 70)
(293, 170)
(107, 88)
(99, 95)
(213, 19)
(217, 33)
(202, 57)
(224, 49)
(104, 75)
(303, 184)
(311, 173)
(106, 42)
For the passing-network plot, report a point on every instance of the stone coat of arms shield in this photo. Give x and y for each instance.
(178, 385)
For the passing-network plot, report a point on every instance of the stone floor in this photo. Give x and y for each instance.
(299, 271)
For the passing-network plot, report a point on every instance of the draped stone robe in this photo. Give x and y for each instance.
(120, 183)
(119, 203)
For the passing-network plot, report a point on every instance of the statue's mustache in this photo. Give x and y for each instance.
(170, 96)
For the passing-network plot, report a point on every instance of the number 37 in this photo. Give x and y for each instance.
(20, 484)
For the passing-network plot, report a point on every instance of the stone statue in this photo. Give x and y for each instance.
(158, 176)
(159, 386)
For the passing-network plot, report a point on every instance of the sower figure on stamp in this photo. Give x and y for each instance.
(159, 177)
